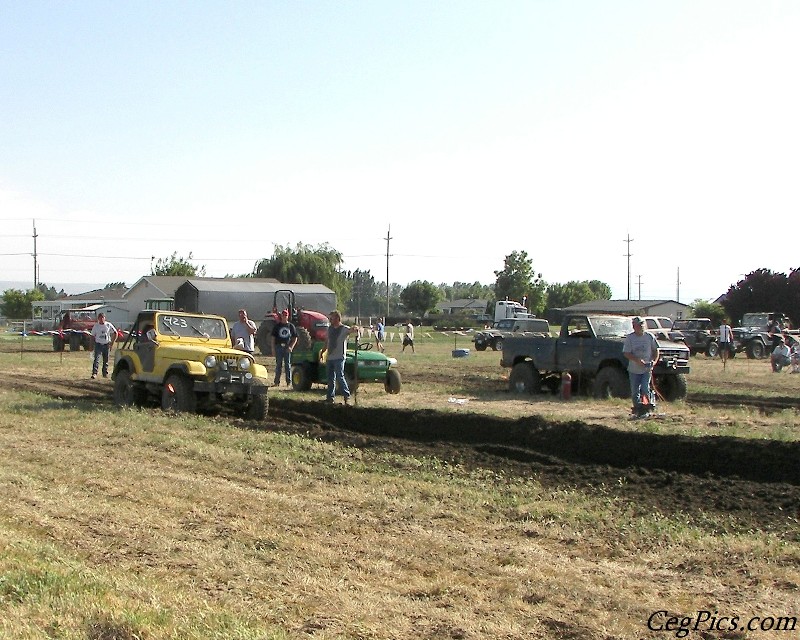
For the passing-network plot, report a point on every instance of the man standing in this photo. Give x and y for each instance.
(408, 338)
(284, 339)
(242, 332)
(725, 342)
(380, 335)
(104, 334)
(641, 350)
(337, 350)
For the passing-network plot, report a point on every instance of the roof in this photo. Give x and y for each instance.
(164, 285)
(464, 303)
(622, 307)
(114, 293)
(254, 285)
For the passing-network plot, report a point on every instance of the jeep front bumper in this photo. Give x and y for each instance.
(240, 384)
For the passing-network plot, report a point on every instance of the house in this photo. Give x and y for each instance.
(668, 308)
(462, 306)
(45, 312)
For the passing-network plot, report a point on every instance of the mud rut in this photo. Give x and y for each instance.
(755, 483)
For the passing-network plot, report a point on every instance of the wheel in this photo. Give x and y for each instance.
(87, 342)
(393, 382)
(755, 350)
(611, 382)
(672, 387)
(126, 392)
(712, 349)
(58, 343)
(301, 377)
(480, 347)
(524, 378)
(258, 407)
(497, 345)
(177, 395)
(303, 339)
(365, 346)
(75, 342)
(264, 337)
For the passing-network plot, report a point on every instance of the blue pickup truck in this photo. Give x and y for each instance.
(589, 347)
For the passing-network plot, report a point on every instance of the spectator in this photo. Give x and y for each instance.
(795, 356)
(380, 335)
(641, 350)
(284, 339)
(781, 355)
(242, 332)
(104, 334)
(336, 353)
(408, 338)
(725, 342)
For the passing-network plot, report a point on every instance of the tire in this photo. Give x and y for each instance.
(177, 395)
(126, 392)
(58, 344)
(611, 382)
(480, 347)
(524, 378)
(671, 387)
(303, 339)
(87, 342)
(755, 350)
(497, 345)
(258, 408)
(712, 350)
(75, 342)
(264, 337)
(301, 377)
(393, 382)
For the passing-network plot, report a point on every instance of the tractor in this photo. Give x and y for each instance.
(312, 326)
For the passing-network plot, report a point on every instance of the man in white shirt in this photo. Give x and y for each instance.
(725, 342)
(104, 334)
(781, 356)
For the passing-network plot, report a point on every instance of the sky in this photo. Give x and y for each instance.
(649, 145)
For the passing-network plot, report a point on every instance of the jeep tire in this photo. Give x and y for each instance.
(672, 387)
(177, 395)
(611, 382)
(497, 344)
(258, 407)
(712, 349)
(126, 392)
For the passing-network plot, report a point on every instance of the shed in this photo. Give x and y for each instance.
(669, 308)
(225, 297)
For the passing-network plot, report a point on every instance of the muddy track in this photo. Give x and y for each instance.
(755, 483)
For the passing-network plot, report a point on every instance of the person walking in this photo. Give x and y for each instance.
(641, 350)
(104, 334)
(284, 339)
(408, 338)
(725, 342)
(336, 352)
(242, 332)
(380, 335)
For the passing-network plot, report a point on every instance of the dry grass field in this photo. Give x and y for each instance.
(451, 510)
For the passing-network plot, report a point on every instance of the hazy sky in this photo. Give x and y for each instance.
(471, 129)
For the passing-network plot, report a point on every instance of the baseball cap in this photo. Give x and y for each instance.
(637, 320)
(285, 312)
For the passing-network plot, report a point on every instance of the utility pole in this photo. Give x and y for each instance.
(678, 287)
(388, 238)
(639, 281)
(35, 259)
(628, 255)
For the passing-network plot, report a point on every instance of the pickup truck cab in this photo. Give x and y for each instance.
(589, 347)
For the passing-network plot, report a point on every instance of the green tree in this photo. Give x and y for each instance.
(177, 266)
(575, 292)
(305, 264)
(17, 304)
(600, 290)
(116, 285)
(761, 290)
(50, 293)
(518, 280)
(702, 309)
(420, 297)
(367, 298)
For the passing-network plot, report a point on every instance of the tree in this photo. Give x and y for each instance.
(367, 297)
(175, 266)
(600, 290)
(715, 312)
(420, 297)
(50, 293)
(17, 304)
(761, 290)
(307, 265)
(518, 280)
(118, 285)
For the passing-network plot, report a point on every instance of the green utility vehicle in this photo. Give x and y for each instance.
(362, 364)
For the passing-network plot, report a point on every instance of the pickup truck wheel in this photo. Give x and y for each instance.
(301, 377)
(672, 387)
(393, 382)
(177, 395)
(480, 347)
(524, 379)
(712, 349)
(611, 383)
(497, 345)
(58, 343)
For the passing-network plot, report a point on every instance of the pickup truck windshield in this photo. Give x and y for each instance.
(611, 327)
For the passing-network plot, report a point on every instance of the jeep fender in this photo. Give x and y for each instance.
(123, 363)
(188, 368)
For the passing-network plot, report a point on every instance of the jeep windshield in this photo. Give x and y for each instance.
(191, 326)
(611, 327)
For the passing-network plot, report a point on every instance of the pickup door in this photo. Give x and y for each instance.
(577, 348)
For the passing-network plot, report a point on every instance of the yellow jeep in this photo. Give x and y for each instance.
(187, 361)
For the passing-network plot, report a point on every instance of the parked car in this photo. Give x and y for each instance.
(501, 329)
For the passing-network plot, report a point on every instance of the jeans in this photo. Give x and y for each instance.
(283, 360)
(100, 350)
(336, 375)
(640, 386)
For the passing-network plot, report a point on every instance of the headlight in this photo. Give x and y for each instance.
(244, 364)
(210, 362)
